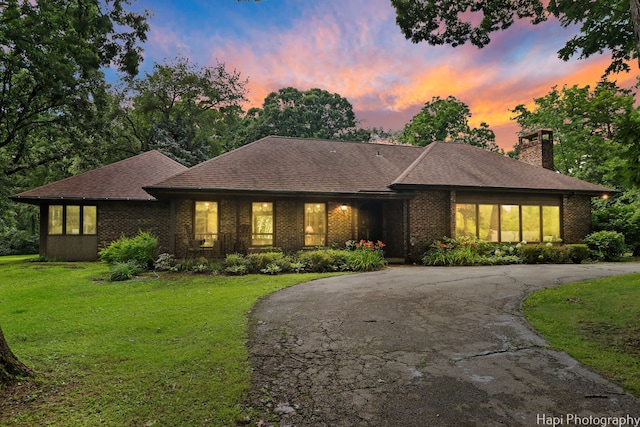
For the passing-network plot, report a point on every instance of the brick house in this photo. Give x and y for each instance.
(297, 193)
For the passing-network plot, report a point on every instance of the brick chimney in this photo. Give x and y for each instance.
(537, 148)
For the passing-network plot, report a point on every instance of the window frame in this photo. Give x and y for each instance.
(201, 238)
(254, 232)
(307, 223)
(541, 228)
(64, 220)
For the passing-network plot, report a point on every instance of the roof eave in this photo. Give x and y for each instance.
(40, 200)
(592, 193)
(161, 193)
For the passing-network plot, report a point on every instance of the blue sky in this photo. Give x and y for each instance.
(355, 49)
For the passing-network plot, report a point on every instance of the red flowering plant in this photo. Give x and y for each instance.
(366, 245)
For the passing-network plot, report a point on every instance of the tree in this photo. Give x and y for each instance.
(584, 123)
(597, 135)
(53, 87)
(183, 111)
(315, 113)
(446, 120)
(605, 25)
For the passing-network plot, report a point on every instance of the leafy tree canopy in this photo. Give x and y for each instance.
(54, 97)
(183, 110)
(446, 120)
(612, 26)
(315, 113)
(585, 122)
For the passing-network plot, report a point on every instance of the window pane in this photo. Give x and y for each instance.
(531, 223)
(488, 222)
(73, 220)
(89, 220)
(551, 223)
(510, 223)
(55, 220)
(315, 220)
(466, 220)
(206, 223)
(262, 224)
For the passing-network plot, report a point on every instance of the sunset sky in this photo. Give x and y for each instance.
(354, 48)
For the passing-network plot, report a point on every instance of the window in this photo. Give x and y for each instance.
(508, 222)
(72, 220)
(206, 223)
(551, 223)
(315, 220)
(55, 219)
(262, 224)
(531, 223)
(89, 217)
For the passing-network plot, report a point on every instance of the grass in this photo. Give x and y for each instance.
(167, 351)
(596, 322)
(16, 258)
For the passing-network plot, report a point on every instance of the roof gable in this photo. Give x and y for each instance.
(123, 180)
(463, 165)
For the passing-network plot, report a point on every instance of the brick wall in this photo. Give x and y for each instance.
(429, 219)
(128, 218)
(287, 224)
(576, 218)
(340, 224)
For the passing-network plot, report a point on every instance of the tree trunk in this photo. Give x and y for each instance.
(634, 6)
(10, 367)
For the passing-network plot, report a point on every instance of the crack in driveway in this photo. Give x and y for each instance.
(416, 346)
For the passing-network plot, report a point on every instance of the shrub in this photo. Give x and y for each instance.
(271, 268)
(543, 253)
(164, 262)
(142, 249)
(606, 245)
(317, 261)
(259, 261)
(365, 260)
(18, 242)
(577, 254)
(121, 271)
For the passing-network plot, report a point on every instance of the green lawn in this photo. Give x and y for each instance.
(597, 322)
(167, 351)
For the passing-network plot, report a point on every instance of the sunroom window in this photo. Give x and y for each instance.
(72, 220)
(508, 222)
(315, 221)
(262, 224)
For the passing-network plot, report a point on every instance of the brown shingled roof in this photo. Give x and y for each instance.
(283, 164)
(462, 165)
(295, 165)
(123, 180)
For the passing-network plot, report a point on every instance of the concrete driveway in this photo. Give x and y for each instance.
(424, 346)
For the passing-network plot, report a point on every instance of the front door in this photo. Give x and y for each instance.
(370, 221)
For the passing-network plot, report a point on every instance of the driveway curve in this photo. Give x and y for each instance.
(424, 346)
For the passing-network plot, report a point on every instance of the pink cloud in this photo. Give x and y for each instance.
(355, 49)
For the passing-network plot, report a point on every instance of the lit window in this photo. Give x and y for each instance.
(551, 223)
(531, 223)
(509, 223)
(206, 223)
(466, 220)
(55, 219)
(89, 219)
(315, 224)
(488, 222)
(72, 220)
(262, 224)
